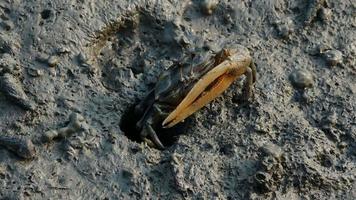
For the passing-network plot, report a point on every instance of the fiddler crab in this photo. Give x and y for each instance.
(187, 86)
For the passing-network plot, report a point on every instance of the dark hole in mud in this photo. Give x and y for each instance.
(45, 14)
(168, 136)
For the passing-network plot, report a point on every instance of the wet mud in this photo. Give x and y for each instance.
(71, 71)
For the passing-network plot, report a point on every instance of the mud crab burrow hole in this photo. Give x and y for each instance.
(168, 136)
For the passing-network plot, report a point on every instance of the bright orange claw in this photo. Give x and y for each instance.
(213, 83)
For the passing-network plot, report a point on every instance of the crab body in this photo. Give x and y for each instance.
(189, 85)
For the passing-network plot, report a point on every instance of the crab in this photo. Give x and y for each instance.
(187, 86)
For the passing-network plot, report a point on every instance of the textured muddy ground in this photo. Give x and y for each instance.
(70, 70)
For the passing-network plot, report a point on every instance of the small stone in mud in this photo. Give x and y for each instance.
(76, 122)
(208, 6)
(34, 72)
(270, 149)
(301, 78)
(284, 28)
(83, 60)
(48, 136)
(63, 50)
(333, 57)
(324, 14)
(53, 61)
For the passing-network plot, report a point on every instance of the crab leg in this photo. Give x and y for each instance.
(150, 132)
(202, 93)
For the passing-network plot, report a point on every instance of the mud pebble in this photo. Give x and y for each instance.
(34, 72)
(208, 6)
(83, 60)
(76, 122)
(301, 78)
(50, 135)
(325, 14)
(270, 149)
(284, 28)
(53, 61)
(63, 50)
(333, 57)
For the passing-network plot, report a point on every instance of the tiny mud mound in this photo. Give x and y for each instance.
(70, 73)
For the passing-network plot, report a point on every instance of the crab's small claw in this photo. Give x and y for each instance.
(206, 89)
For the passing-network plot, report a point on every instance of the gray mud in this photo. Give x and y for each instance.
(71, 69)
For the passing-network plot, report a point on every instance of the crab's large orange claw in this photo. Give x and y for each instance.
(209, 87)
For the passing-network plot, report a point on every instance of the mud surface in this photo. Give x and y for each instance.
(70, 70)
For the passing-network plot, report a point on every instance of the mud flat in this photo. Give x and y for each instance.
(70, 71)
